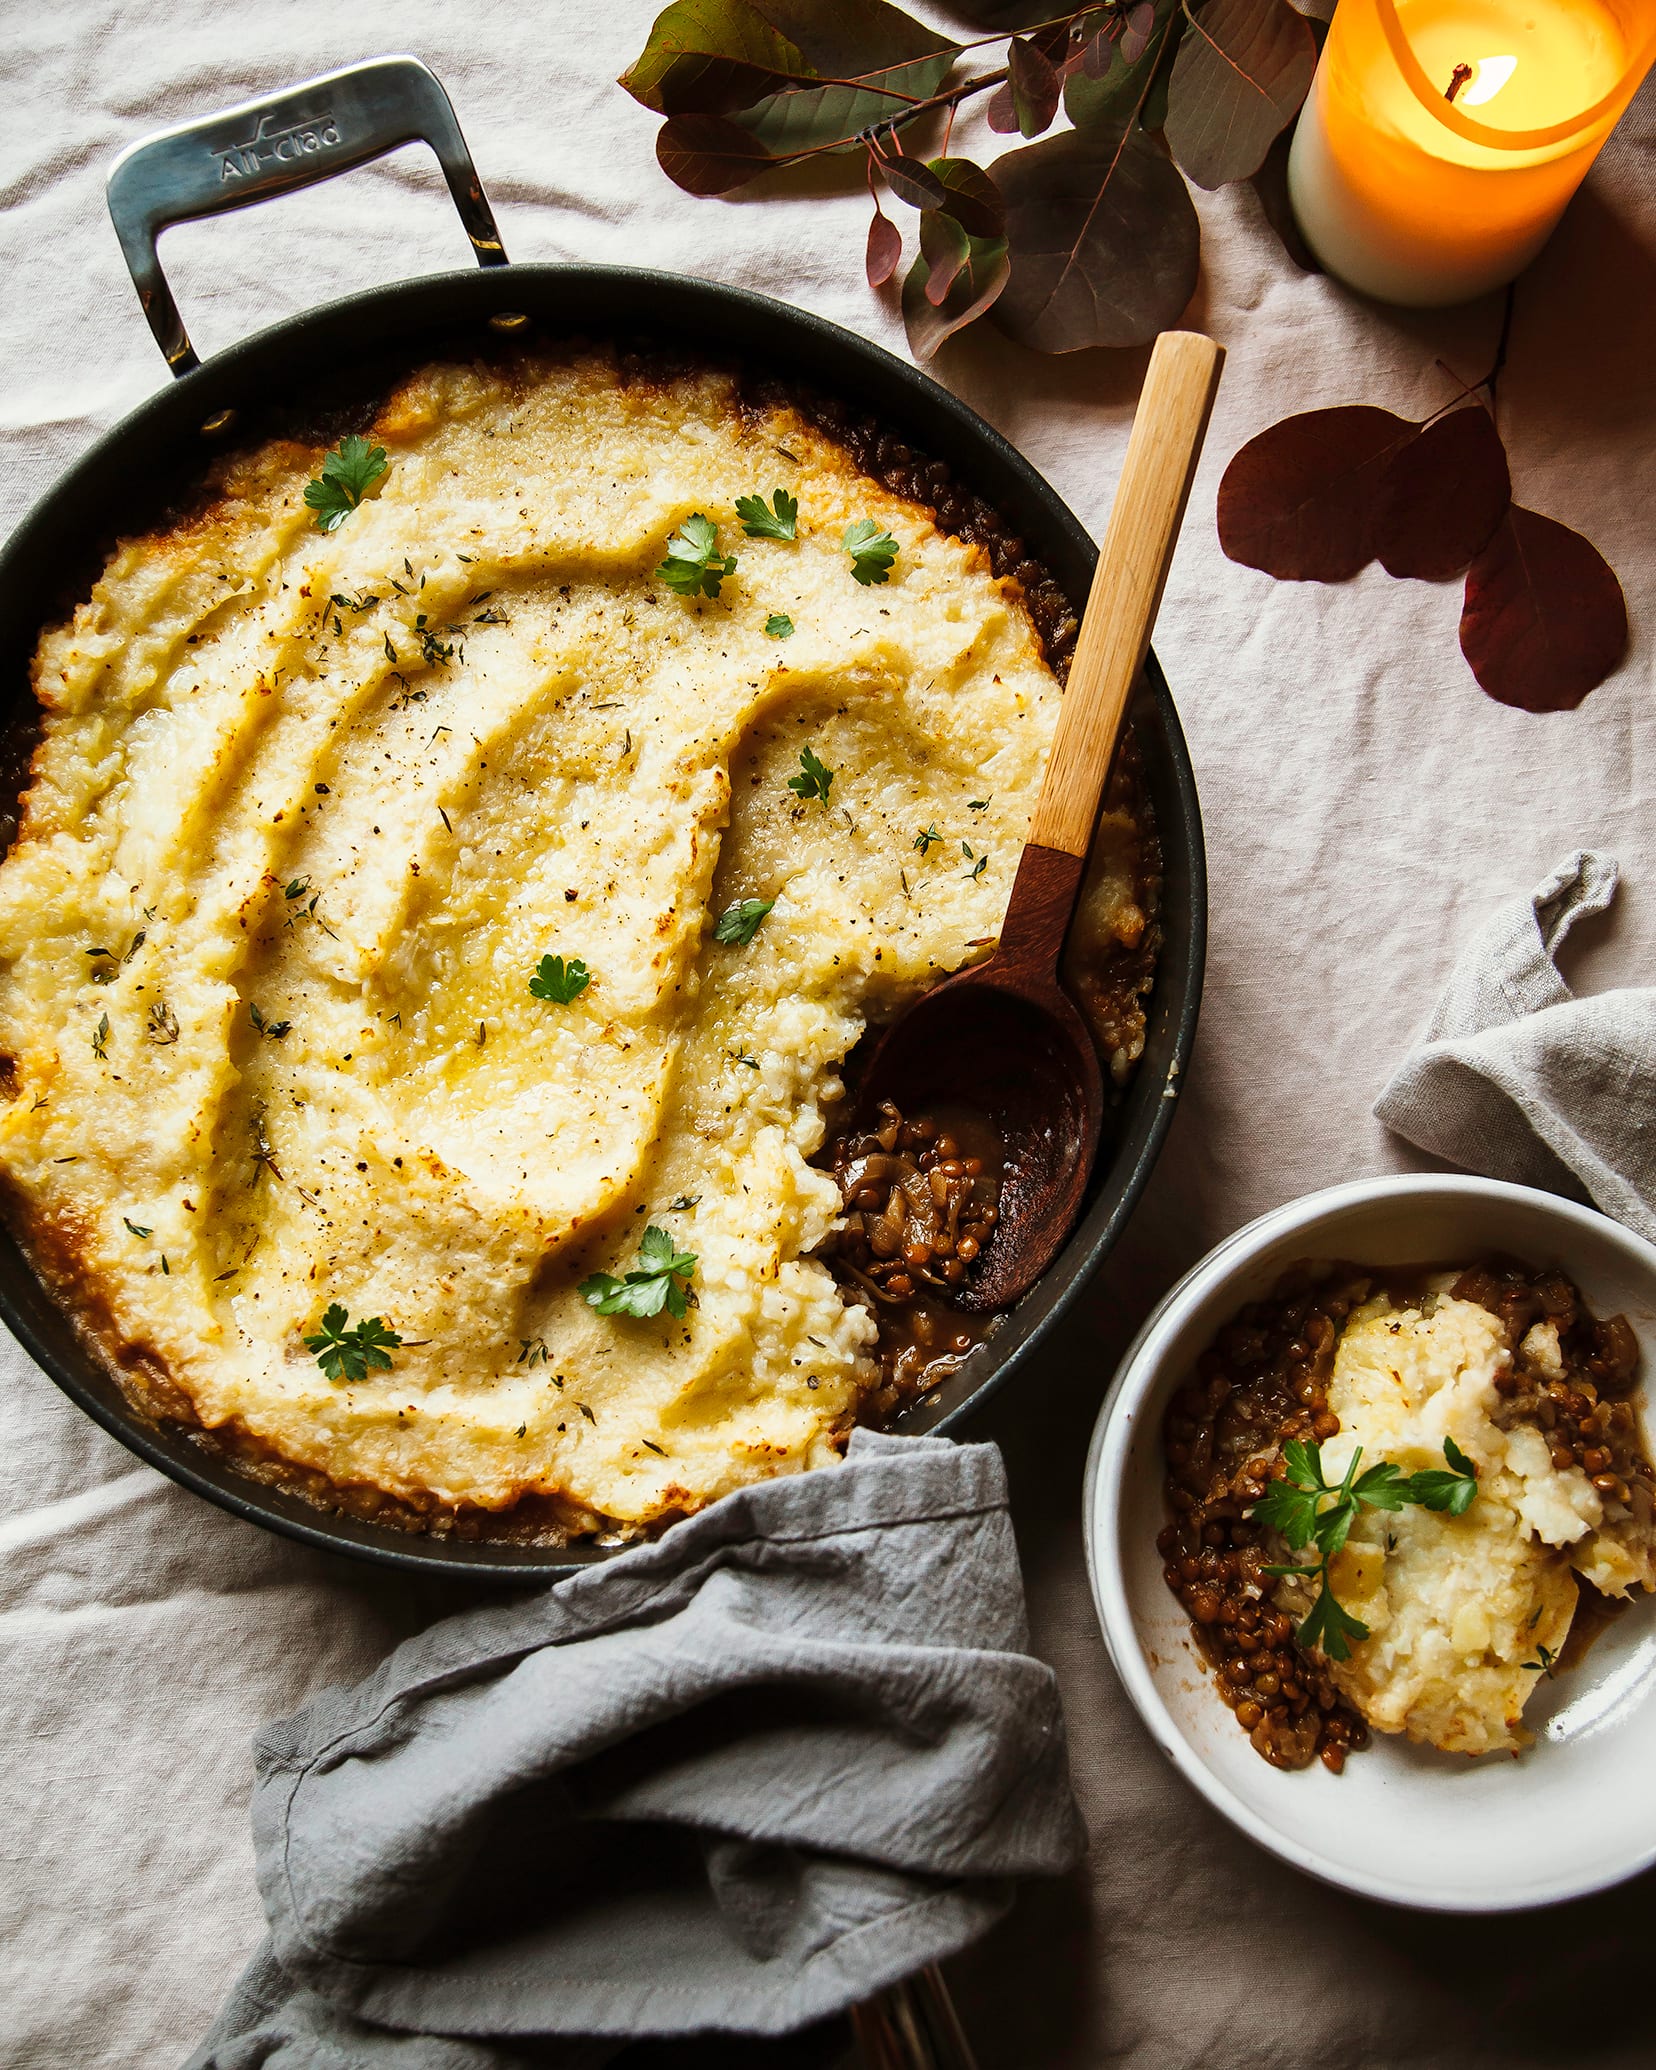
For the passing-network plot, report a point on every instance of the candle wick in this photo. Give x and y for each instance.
(1457, 79)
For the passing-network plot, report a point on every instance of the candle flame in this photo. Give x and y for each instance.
(1492, 74)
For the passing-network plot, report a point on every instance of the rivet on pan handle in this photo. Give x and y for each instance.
(272, 145)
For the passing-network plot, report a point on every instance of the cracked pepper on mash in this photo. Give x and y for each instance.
(309, 809)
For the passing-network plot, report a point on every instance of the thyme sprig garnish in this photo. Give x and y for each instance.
(1295, 1507)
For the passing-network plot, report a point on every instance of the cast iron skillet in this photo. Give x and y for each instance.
(320, 128)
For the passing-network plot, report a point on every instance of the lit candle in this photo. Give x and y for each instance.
(1442, 138)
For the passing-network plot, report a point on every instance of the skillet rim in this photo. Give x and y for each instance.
(712, 315)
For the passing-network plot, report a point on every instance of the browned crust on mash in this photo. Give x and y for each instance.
(1112, 973)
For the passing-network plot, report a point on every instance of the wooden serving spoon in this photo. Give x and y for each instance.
(1004, 1039)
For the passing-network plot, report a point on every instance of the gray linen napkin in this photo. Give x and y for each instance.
(1518, 1078)
(736, 1779)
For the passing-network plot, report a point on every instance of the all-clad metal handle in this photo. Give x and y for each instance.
(272, 145)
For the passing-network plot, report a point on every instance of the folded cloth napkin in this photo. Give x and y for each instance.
(1518, 1078)
(736, 1779)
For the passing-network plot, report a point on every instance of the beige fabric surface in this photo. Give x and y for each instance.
(1366, 808)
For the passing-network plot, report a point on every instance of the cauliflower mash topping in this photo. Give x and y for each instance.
(1463, 1611)
(310, 808)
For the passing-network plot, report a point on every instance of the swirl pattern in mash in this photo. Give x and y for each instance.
(362, 782)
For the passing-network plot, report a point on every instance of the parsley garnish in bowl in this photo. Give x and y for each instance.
(347, 1353)
(1294, 1506)
(348, 473)
(661, 1281)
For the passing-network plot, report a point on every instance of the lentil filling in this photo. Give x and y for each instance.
(1265, 1379)
(921, 1200)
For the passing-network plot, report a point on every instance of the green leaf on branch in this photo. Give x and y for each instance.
(1243, 69)
(1103, 241)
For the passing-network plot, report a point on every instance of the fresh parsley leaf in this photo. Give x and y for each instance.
(660, 1281)
(814, 780)
(693, 566)
(1449, 1491)
(1329, 1626)
(136, 1229)
(1294, 1506)
(347, 1353)
(872, 551)
(780, 626)
(926, 836)
(558, 981)
(348, 473)
(739, 923)
(1290, 1510)
(780, 521)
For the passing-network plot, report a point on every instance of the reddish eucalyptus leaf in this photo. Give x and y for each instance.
(1545, 620)
(1035, 84)
(974, 289)
(1241, 73)
(1141, 26)
(1003, 111)
(885, 248)
(972, 197)
(947, 248)
(1314, 10)
(1103, 239)
(911, 179)
(708, 154)
(1299, 500)
(1098, 54)
(1442, 497)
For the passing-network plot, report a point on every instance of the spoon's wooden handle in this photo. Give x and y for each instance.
(1162, 451)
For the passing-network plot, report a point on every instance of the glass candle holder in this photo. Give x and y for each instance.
(1442, 139)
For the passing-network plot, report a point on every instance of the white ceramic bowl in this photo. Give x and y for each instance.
(1577, 1811)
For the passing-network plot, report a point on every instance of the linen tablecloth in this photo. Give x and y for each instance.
(1365, 808)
